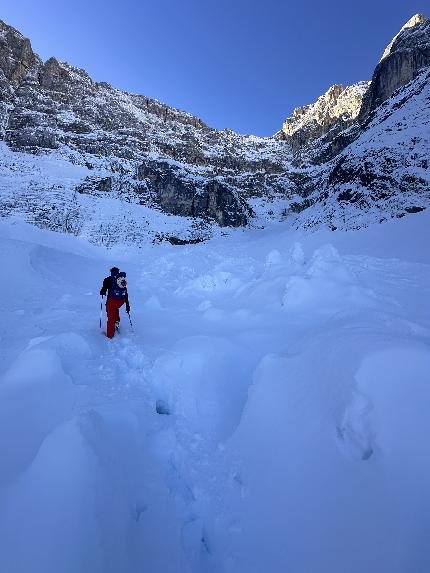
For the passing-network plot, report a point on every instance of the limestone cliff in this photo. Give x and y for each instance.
(84, 157)
(403, 59)
(331, 114)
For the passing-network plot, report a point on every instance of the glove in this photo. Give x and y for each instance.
(127, 308)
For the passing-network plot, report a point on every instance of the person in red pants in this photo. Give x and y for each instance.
(115, 287)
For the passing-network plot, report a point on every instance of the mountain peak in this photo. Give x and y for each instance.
(411, 23)
(417, 19)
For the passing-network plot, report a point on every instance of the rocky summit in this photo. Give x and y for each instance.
(83, 157)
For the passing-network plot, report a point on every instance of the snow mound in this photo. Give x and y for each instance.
(273, 388)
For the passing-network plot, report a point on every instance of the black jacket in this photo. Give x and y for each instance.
(105, 289)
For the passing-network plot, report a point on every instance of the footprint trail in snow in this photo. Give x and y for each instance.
(272, 390)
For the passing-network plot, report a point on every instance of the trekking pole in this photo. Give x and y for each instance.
(101, 312)
(131, 324)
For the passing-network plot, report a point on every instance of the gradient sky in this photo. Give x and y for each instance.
(234, 63)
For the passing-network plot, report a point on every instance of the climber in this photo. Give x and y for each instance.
(116, 288)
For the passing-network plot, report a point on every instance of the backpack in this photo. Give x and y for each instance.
(118, 286)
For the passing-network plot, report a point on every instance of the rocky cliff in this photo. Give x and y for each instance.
(319, 131)
(83, 157)
(54, 107)
(404, 57)
(383, 173)
(329, 116)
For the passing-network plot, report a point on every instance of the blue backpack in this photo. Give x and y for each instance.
(118, 286)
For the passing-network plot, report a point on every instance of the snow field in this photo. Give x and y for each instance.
(268, 413)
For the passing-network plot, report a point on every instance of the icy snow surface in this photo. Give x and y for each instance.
(269, 413)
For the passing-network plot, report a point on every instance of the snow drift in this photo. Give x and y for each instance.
(268, 413)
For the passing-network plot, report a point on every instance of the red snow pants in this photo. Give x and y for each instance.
(112, 310)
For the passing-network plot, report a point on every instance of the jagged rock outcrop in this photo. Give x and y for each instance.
(206, 199)
(411, 23)
(401, 62)
(331, 114)
(16, 55)
(17, 60)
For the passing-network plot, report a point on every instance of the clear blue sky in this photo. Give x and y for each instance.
(234, 63)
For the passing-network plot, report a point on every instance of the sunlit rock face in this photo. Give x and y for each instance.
(412, 23)
(332, 113)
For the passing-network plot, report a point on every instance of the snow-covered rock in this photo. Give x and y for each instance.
(384, 172)
(414, 21)
(332, 113)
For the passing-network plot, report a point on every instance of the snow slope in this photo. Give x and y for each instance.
(268, 413)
